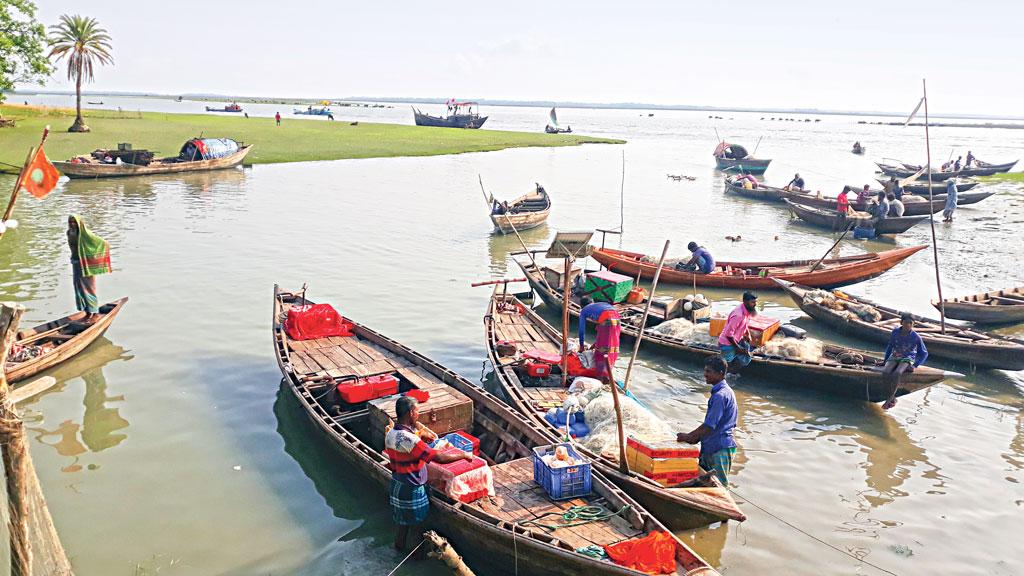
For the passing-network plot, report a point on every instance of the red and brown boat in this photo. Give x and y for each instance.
(759, 275)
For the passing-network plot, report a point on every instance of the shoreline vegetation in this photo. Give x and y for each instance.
(296, 140)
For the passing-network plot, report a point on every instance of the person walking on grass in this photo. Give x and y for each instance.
(717, 445)
(277, 118)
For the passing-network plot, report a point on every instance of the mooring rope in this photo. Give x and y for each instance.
(407, 557)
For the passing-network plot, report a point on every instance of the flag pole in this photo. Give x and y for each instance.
(931, 213)
(20, 179)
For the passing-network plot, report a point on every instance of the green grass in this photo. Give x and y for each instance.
(1007, 177)
(294, 141)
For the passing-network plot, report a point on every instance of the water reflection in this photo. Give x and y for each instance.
(499, 246)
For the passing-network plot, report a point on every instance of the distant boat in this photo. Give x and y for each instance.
(179, 99)
(553, 128)
(313, 111)
(858, 149)
(100, 103)
(468, 119)
(229, 108)
(735, 158)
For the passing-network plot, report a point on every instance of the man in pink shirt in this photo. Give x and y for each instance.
(734, 341)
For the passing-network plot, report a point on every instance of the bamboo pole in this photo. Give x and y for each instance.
(13, 452)
(931, 215)
(17, 187)
(444, 552)
(565, 321)
(623, 463)
(622, 196)
(643, 320)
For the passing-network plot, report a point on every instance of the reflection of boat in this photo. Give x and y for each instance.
(60, 340)
(833, 221)
(486, 528)
(735, 158)
(997, 307)
(229, 108)
(553, 127)
(196, 154)
(508, 319)
(527, 211)
(859, 377)
(984, 350)
(832, 272)
(499, 246)
(468, 119)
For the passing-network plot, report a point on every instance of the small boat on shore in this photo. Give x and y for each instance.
(760, 275)
(197, 154)
(527, 211)
(47, 345)
(833, 221)
(455, 119)
(494, 530)
(233, 107)
(735, 158)
(839, 372)
(323, 111)
(996, 307)
(681, 508)
(980, 349)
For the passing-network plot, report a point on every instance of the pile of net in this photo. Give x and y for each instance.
(686, 331)
(845, 308)
(808, 349)
(637, 421)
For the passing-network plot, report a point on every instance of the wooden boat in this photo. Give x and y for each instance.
(938, 188)
(490, 530)
(858, 149)
(735, 158)
(553, 127)
(910, 207)
(681, 508)
(903, 172)
(833, 221)
(527, 211)
(858, 378)
(760, 275)
(469, 119)
(996, 307)
(96, 169)
(228, 108)
(761, 192)
(100, 103)
(61, 339)
(997, 167)
(959, 344)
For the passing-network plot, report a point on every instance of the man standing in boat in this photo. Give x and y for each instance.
(717, 445)
(90, 257)
(734, 341)
(408, 455)
(606, 347)
(905, 352)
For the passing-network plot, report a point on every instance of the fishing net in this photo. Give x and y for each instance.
(636, 421)
(683, 329)
(808, 349)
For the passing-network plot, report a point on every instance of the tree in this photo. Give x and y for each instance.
(22, 43)
(83, 43)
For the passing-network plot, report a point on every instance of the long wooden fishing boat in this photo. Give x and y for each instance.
(469, 119)
(904, 172)
(60, 340)
(840, 372)
(498, 531)
(831, 220)
(980, 349)
(760, 275)
(96, 169)
(996, 307)
(910, 207)
(681, 508)
(527, 211)
(761, 192)
(938, 188)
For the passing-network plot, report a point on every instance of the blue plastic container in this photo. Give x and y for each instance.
(456, 440)
(561, 483)
(861, 233)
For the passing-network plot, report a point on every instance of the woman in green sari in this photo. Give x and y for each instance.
(90, 257)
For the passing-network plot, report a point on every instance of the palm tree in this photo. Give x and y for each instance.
(84, 43)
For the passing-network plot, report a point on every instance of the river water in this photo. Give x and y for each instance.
(168, 448)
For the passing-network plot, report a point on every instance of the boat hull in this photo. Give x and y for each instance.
(833, 221)
(98, 170)
(746, 166)
(521, 221)
(846, 270)
(472, 121)
(1007, 308)
(918, 208)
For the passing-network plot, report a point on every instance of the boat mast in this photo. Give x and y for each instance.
(931, 202)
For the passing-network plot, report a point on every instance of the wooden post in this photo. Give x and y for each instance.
(444, 552)
(623, 464)
(566, 288)
(931, 214)
(643, 320)
(12, 433)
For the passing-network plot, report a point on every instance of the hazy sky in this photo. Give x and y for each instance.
(859, 55)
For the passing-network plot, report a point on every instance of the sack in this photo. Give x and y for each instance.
(316, 321)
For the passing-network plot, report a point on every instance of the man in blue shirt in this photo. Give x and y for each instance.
(904, 353)
(700, 261)
(717, 446)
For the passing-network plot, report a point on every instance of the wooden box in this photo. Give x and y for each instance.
(554, 274)
(446, 411)
(607, 286)
(762, 328)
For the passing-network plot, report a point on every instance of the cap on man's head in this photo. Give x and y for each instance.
(748, 296)
(404, 405)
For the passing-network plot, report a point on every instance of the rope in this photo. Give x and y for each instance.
(811, 536)
(407, 557)
(576, 516)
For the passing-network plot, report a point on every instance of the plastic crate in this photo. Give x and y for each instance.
(561, 483)
(607, 286)
(458, 440)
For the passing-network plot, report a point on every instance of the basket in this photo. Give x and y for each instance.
(561, 483)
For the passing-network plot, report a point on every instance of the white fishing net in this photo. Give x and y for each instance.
(809, 349)
(683, 329)
(636, 421)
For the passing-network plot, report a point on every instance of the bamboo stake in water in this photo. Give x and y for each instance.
(623, 464)
(931, 214)
(643, 320)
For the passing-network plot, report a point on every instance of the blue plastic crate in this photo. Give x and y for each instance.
(561, 483)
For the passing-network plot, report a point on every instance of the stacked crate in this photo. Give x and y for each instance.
(665, 463)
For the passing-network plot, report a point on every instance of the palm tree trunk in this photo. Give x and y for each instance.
(79, 125)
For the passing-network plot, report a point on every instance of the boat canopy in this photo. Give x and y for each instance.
(208, 148)
(733, 151)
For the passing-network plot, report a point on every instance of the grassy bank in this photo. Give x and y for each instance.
(294, 141)
(1017, 177)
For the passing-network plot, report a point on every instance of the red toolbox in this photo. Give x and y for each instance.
(538, 369)
(369, 388)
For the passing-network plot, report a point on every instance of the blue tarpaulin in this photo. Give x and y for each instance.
(208, 148)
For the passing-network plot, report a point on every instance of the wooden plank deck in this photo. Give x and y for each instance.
(341, 357)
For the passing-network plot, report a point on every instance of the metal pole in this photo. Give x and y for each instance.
(931, 214)
(643, 320)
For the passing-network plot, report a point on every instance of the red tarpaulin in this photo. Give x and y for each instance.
(315, 321)
(652, 554)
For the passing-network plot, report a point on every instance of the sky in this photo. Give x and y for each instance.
(858, 55)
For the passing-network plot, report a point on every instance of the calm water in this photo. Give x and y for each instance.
(168, 448)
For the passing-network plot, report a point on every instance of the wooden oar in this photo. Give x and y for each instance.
(825, 255)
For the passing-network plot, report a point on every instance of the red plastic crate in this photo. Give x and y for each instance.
(662, 451)
(542, 356)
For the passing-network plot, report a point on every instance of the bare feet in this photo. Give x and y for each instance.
(889, 404)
